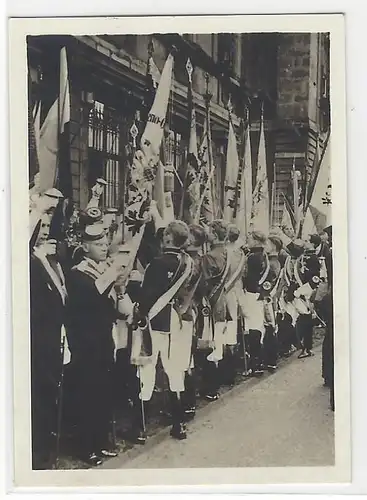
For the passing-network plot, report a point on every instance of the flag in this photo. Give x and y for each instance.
(309, 226)
(243, 217)
(231, 179)
(53, 126)
(154, 72)
(143, 170)
(206, 168)
(193, 172)
(320, 204)
(153, 133)
(286, 218)
(260, 208)
(297, 204)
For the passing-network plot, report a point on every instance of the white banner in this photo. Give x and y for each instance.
(232, 168)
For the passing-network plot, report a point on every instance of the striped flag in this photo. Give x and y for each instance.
(232, 171)
(243, 218)
(260, 209)
(193, 172)
(54, 125)
(321, 202)
(206, 167)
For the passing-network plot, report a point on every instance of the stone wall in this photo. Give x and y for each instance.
(293, 76)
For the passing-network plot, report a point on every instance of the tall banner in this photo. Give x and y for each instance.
(260, 211)
(193, 172)
(286, 218)
(309, 226)
(243, 218)
(53, 126)
(153, 133)
(231, 179)
(206, 168)
(143, 171)
(321, 202)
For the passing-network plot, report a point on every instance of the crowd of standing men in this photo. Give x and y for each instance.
(204, 295)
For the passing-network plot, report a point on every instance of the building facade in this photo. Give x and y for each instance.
(286, 75)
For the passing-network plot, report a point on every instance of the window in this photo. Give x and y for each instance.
(227, 50)
(104, 153)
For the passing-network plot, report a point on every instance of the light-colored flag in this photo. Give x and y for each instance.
(286, 218)
(231, 179)
(37, 123)
(260, 211)
(321, 201)
(153, 133)
(243, 218)
(193, 172)
(56, 119)
(154, 72)
(309, 226)
(143, 171)
(206, 167)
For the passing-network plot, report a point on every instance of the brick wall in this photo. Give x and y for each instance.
(293, 75)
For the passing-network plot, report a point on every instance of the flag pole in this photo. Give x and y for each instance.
(189, 70)
(208, 97)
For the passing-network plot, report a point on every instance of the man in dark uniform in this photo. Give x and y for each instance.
(287, 314)
(47, 300)
(190, 300)
(307, 273)
(270, 295)
(92, 311)
(216, 269)
(258, 268)
(235, 302)
(158, 311)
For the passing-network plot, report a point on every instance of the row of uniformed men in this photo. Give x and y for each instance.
(185, 310)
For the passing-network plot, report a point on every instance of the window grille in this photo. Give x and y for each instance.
(104, 153)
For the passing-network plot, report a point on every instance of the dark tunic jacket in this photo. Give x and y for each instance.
(90, 318)
(160, 276)
(256, 265)
(214, 265)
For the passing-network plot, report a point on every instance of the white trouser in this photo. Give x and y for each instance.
(174, 349)
(254, 312)
(230, 332)
(217, 353)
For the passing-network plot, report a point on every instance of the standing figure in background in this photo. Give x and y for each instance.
(235, 301)
(216, 269)
(47, 301)
(307, 274)
(158, 312)
(287, 315)
(190, 298)
(258, 268)
(270, 295)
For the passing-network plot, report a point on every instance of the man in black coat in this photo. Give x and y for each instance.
(47, 299)
(158, 312)
(258, 268)
(91, 312)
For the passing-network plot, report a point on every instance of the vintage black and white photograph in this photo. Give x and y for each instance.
(180, 257)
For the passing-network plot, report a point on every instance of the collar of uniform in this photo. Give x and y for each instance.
(98, 266)
(171, 250)
(257, 249)
(318, 249)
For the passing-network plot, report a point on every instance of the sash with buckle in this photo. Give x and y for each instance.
(218, 290)
(167, 297)
(236, 275)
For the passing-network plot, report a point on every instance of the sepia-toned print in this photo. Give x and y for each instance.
(181, 250)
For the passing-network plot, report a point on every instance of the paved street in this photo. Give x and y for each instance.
(282, 420)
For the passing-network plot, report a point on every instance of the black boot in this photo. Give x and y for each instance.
(189, 396)
(140, 417)
(178, 430)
